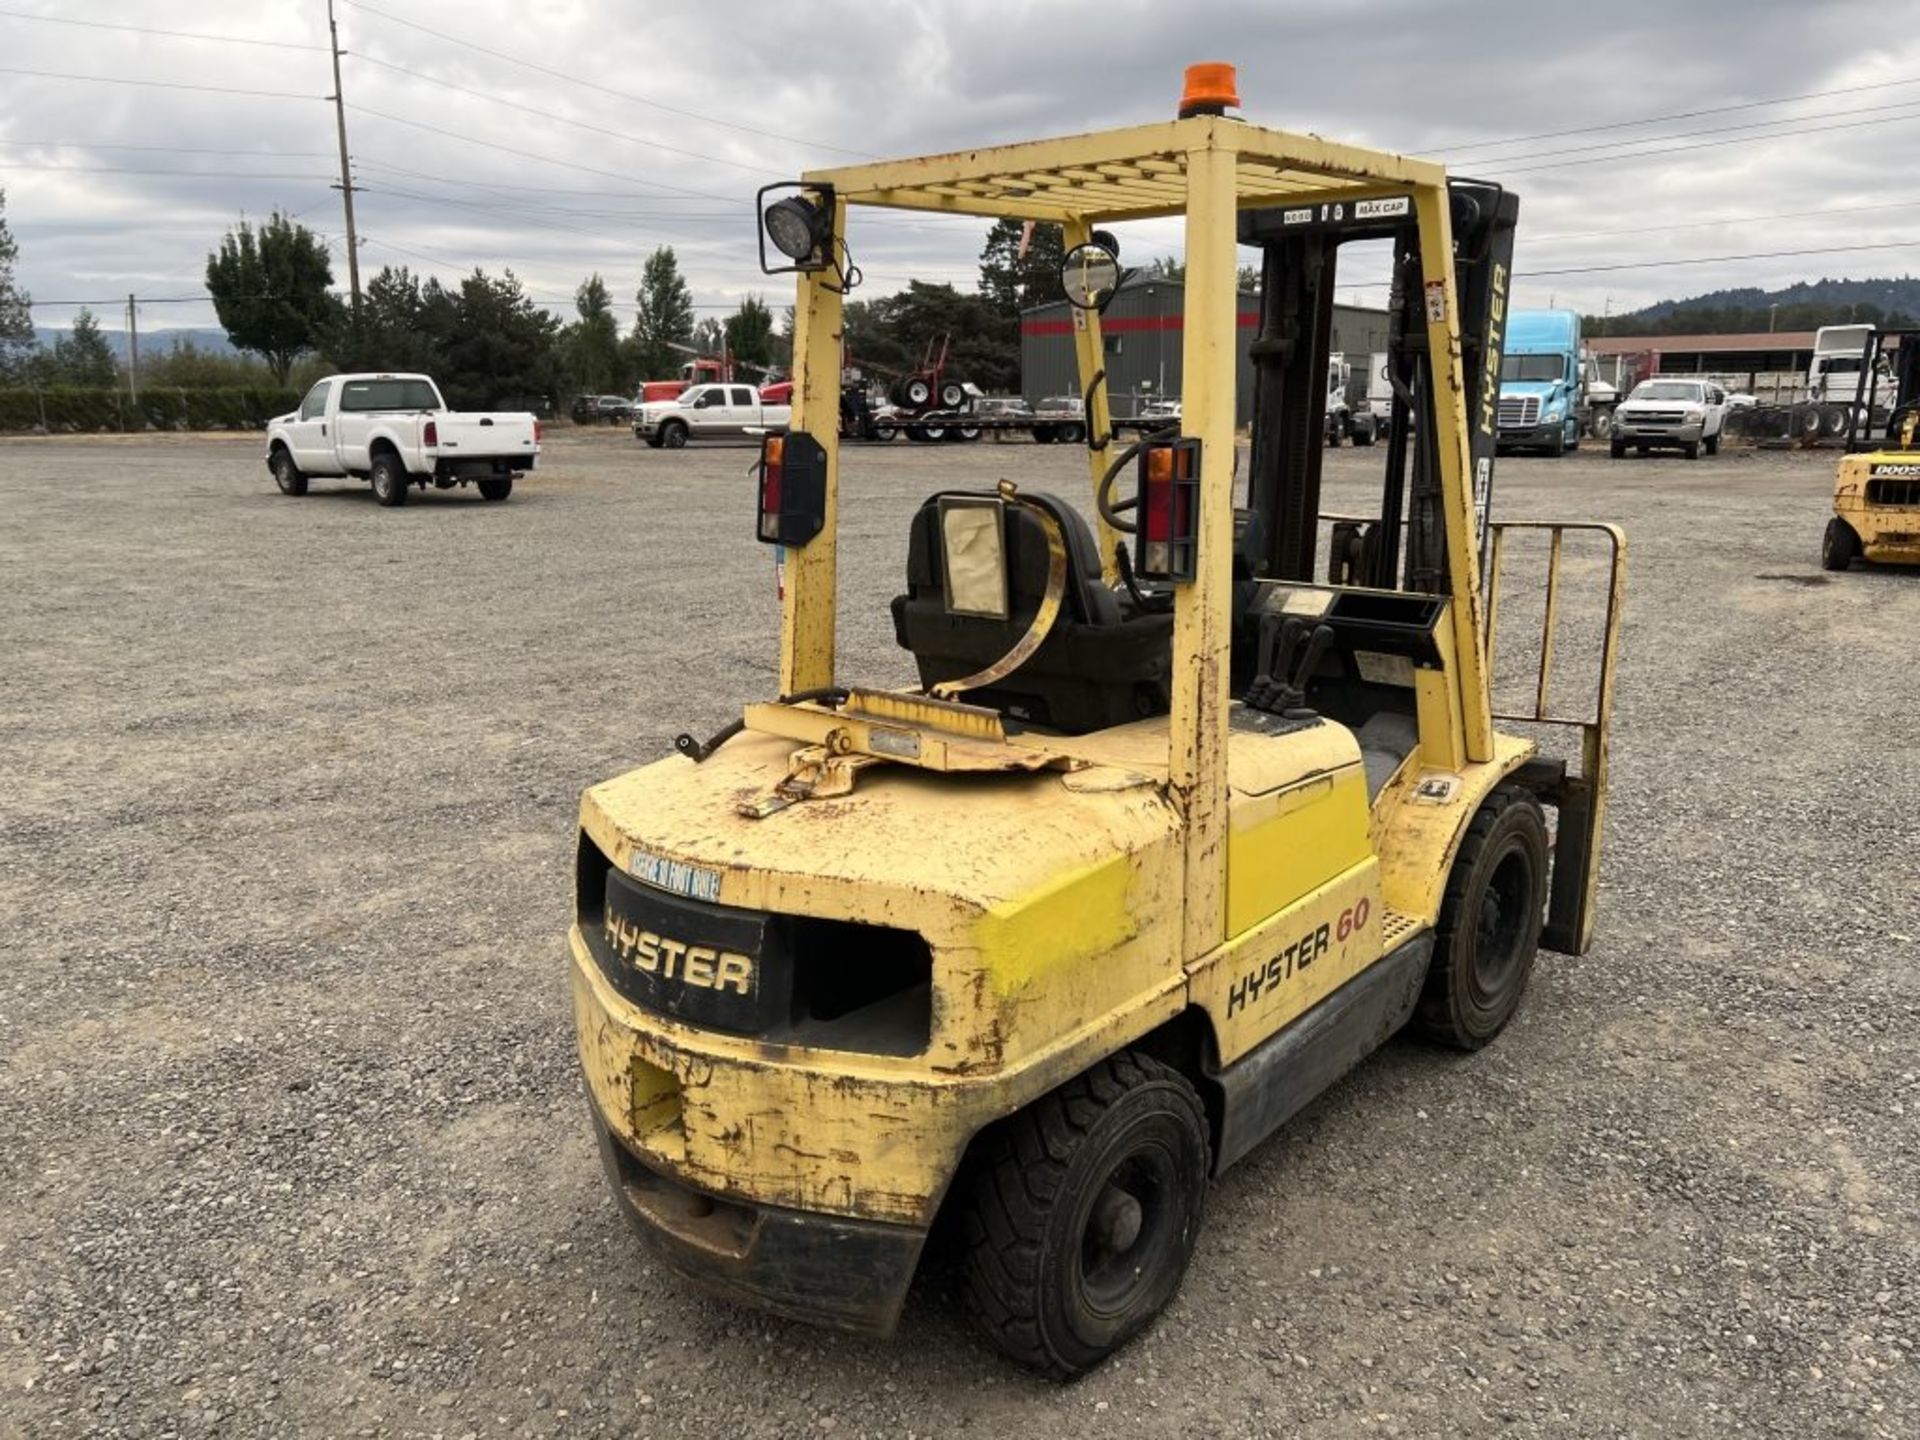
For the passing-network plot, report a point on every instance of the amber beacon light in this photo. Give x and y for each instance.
(1211, 87)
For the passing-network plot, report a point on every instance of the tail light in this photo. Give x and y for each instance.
(536, 432)
(793, 489)
(1169, 510)
(431, 435)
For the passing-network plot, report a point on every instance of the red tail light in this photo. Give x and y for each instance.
(431, 435)
(793, 489)
(536, 432)
(1169, 480)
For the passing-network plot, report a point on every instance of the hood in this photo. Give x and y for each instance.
(1541, 388)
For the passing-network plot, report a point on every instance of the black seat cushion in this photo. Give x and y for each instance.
(1099, 666)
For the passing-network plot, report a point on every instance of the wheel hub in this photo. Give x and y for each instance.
(1116, 1220)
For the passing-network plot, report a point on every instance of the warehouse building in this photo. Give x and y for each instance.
(1141, 329)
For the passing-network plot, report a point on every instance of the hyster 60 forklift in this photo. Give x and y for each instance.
(1876, 489)
(1173, 831)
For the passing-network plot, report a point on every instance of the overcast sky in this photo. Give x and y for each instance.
(681, 111)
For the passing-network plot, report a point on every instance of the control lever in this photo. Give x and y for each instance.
(1287, 694)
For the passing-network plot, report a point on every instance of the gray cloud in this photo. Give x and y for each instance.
(888, 78)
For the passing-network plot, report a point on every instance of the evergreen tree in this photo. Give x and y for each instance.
(749, 334)
(665, 318)
(501, 350)
(16, 311)
(593, 359)
(85, 358)
(270, 290)
(1013, 282)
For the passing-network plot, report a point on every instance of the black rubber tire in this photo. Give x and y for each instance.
(952, 395)
(498, 489)
(1601, 424)
(1711, 444)
(1040, 1282)
(673, 434)
(390, 483)
(1806, 422)
(1044, 435)
(1573, 435)
(1840, 546)
(966, 433)
(1617, 449)
(884, 433)
(918, 393)
(1364, 434)
(1490, 922)
(1073, 433)
(934, 434)
(287, 475)
(1833, 421)
(1691, 450)
(1558, 445)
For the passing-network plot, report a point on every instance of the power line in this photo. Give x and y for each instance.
(1705, 145)
(587, 125)
(169, 34)
(370, 162)
(1689, 134)
(577, 81)
(163, 149)
(142, 170)
(153, 84)
(1660, 119)
(523, 154)
(1724, 220)
(1716, 259)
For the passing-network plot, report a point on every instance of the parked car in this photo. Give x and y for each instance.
(1670, 414)
(395, 432)
(602, 410)
(707, 412)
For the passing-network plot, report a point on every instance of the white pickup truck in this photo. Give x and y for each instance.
(395, 432)
(707, 412)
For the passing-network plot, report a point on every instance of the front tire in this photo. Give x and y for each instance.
(1489, 923)
(1840, 546)
(1617, 448)
(1711, 444)
(1691, 450)
(287, 475)
(673, 435)
(496, 489)
(389, 481)
(1082, 1213)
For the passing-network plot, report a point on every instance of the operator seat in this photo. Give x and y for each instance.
(1103, 663)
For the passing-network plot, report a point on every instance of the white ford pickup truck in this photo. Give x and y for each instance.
(707, 412)
(395, 432)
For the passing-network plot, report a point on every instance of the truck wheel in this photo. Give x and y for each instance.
(952, 395)
(1711, 444)
(1806, 422)
(1365, 434)
(918, 393)
(673, 435)
(1840, 547)
(967, 433)
(884, 433)
(1557, 446)
(1072, 433)
(1082, 1214)
(389, 480)
(496, 489)
(653, 441)
(1617, 448)
(1601, 424)
(1833, 421)
(1044, 435)
(1490, 923)
(287, 475)
(1691, 449)
(1573, 434)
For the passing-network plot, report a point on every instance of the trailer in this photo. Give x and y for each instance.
(1848, 384)
(861, 418)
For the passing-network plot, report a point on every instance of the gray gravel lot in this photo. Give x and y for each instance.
(291, 1138)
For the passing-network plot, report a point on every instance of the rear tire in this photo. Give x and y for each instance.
(1072, 434)
(1082, 1211)
(498, 489)
(390, 484)
(1490, 923)
(1711, 444)
(1840, 546)
(287, 475)
(884, 433)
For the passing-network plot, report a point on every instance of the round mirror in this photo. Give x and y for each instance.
(1090, 274)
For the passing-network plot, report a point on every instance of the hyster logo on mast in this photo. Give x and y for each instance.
(1496, 334)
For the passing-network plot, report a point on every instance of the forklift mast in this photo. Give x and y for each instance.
(1299, 268)
(1903, 360)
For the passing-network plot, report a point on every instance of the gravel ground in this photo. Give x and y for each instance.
(290, 1133)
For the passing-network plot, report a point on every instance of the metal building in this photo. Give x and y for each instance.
(1141, 329)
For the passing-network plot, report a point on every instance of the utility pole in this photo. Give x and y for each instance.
(133, 352)
(346, 174)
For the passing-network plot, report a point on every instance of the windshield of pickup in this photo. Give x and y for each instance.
(1533, 367)
(388, 395)
(1667, 390)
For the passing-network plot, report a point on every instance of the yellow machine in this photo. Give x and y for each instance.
(1876, 490)
(1171, 835)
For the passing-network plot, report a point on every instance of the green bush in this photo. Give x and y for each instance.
(66, 410)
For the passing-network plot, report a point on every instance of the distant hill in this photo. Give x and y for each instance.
(152, 342)
(1804, 306)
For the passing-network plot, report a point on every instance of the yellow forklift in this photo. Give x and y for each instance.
(1173, 831)
(1876, 488)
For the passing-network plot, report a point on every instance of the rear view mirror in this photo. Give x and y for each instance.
(1090, 274)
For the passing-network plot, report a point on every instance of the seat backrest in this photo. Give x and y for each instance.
(1098, 666)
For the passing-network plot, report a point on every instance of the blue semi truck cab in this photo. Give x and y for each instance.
(1543, 382)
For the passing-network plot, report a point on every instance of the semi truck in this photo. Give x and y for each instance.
(1547, 396)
